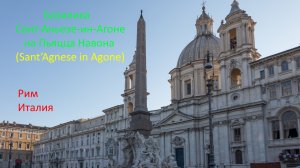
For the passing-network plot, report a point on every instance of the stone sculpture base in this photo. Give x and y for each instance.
(140, 122)
(141, 152)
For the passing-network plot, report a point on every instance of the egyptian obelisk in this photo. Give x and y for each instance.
(140, 117)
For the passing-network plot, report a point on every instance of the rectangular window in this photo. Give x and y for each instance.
(20, 135)
(272, 91)
(87, 153)
(98, 151)
(3, 134)
(271, 70)
(3, 145)
(275, 130)
(188, 87)
(298, 62)
(20, 145)
(298, 85)
(111, 151)
(286, 88)
(28, 136)
(263, 90)
(284, 66)
(262, 74)
(93, 154)
(81, 153)
(1, 156)
(237, 134)
(28, 146)
(11, 134)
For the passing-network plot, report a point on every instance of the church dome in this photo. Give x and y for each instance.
(197, 49)
(203, 42)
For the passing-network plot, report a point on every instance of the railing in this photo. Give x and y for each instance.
(56, 160)
(284, 142)
(235, 87)
(80, 158)
(237, 143)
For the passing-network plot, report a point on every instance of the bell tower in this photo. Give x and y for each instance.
(129, 91)
(237, 48)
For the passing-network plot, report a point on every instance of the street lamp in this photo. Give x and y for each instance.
(211, 158)
(10, 151)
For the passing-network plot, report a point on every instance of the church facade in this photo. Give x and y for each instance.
(255, 105)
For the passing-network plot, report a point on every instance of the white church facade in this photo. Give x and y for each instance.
(255, 105)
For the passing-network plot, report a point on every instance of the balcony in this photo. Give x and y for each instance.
(238, 144)
(56, 160)
(284, 142)
(80, 159)
(235, 87)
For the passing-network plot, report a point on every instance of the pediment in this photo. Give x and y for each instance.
(175, 117)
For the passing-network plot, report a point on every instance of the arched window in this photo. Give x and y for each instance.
(233, 39)
(284, 66)
(289, 122)
(236, 78)
(130, 107)
(238, 157)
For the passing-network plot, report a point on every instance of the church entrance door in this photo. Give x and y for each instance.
(179, 157)
(81, 165)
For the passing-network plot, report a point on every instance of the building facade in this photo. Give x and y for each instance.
(21, 137)
(255, 106)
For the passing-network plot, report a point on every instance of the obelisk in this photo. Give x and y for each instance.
(140, 117)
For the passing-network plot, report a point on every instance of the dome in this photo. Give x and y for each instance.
(203, 42)
(197, 49)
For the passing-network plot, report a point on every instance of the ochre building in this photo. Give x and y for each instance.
(21, 137)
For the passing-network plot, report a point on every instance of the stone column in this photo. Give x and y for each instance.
(202, 82)
(239, 36)
(246, 78)
(196, 84)
(223, 76)
(193, 146)
(177, 87)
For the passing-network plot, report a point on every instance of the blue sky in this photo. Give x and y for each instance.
(83, 90)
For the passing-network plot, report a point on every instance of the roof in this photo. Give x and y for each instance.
(197, 49)
(21, 126)
(274, 56)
